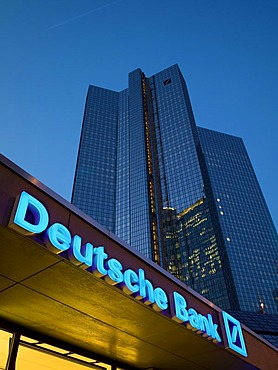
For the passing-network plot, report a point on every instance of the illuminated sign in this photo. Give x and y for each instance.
(29, 217)
(195, 321)
(234, 334)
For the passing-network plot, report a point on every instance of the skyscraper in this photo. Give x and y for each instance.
(186, 197)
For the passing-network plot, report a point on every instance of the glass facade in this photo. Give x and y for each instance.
(265, 325)
(183, 196)
(248, 232)
(122, 222)
(95, 178)
(140, 226)
(202, 259)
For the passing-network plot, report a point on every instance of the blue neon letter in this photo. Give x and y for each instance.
(29, 216)
(204, 325)
(180, 311)
(193, 319)
(130, 280)
(57, 238)
(145, 292)
(98, 264)
(79, 254)
(161, 300)
(213, 330)
(115, 275)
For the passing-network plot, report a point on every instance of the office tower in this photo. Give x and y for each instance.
(186, 197)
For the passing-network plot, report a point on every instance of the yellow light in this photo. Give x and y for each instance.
(52, 348)
(79, 357)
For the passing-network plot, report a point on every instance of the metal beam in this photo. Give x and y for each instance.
(13, 349)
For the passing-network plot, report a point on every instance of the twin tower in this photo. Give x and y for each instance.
(184, 196)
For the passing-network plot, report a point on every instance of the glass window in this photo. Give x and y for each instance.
(4, 347)
(34, 359)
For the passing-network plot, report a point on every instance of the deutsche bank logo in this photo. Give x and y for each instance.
(234, 334)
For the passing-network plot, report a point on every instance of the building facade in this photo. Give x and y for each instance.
(184, 196)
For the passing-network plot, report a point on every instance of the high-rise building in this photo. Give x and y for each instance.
(186, 197)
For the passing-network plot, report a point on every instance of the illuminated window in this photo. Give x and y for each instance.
(4, 347)
(31, 359)
(33, 355)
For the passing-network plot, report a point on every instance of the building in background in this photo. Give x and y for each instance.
(186, 197)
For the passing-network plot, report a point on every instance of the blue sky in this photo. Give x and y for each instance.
(51, 50)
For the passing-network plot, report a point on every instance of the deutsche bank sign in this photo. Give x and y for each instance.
(30, 216)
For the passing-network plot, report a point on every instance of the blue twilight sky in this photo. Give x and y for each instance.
(51, 50)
